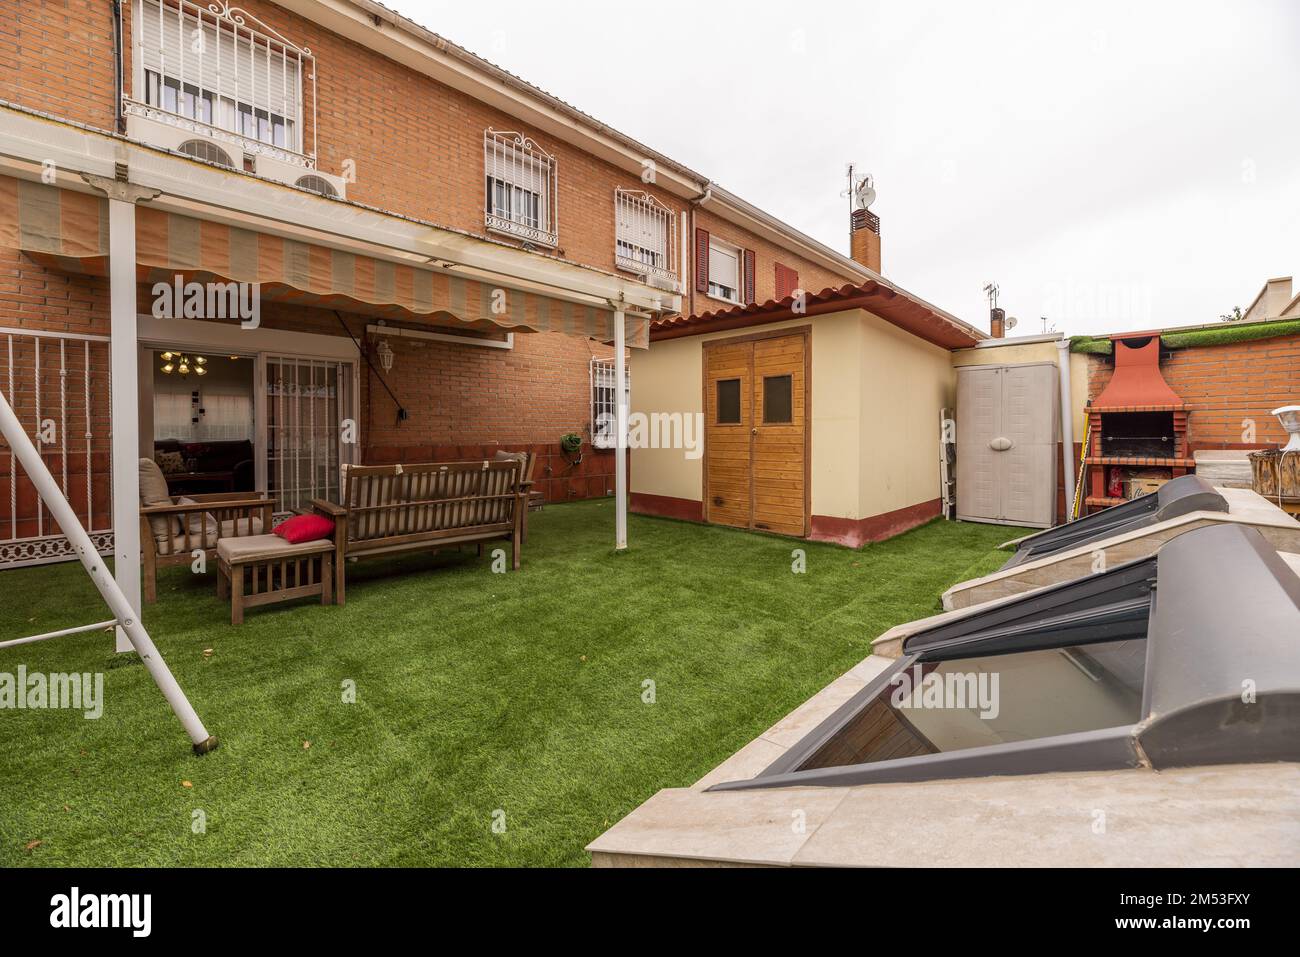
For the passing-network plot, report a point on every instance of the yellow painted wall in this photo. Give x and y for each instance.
(668, 377)
(906, 385)
(877, 393)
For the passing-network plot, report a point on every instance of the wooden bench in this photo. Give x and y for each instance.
(394, 509)
(265, 569)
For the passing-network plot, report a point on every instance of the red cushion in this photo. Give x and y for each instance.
(305, 528)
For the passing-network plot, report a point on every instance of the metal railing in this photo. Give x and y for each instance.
(521, 192)
(645, 235)
(604, 402)
(59, 384)
(219, 71)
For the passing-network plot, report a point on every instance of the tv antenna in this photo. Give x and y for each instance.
(861, 192)
(991, 290)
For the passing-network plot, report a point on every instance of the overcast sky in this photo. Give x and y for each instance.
(1111, 165)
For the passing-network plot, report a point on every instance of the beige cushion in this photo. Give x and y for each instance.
(267, 547)
(153, 491)
(227, 531)
(153, 486)
(198, 521)
(233, 527)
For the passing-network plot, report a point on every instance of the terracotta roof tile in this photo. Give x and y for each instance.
(880, 298)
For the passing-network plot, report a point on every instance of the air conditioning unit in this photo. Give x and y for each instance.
(230, 150)
(660, 282)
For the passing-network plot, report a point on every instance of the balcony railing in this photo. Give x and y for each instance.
(645, 235)
(220, 72)
(521, 188)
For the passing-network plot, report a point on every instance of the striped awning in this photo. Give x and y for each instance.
(69, 231)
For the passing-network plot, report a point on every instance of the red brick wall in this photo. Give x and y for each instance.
(57, 56)
(417, 145)
(1224, 386)
(767, 255)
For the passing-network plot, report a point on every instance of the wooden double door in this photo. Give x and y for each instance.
(756, 415)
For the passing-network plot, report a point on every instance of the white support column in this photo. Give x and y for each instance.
(1067, 425)
(124, 405)
(620, 462)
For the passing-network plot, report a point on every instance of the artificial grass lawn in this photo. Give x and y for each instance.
(475, 693)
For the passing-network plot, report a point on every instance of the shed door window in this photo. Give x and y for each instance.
(777, 401)
(728, 402)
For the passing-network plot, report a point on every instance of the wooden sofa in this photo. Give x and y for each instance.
(393, 509)
(171, 529)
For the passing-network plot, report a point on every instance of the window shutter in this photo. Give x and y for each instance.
(787, 281)
(701, 260)
(749, 276)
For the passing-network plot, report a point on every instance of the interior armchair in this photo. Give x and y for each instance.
(173, 527)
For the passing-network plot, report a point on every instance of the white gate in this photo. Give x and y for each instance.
(59, 386)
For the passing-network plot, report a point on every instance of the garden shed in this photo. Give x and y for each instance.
(821, 414)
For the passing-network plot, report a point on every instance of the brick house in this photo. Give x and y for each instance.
(445, 255)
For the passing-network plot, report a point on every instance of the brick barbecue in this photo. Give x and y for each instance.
(1137, 425)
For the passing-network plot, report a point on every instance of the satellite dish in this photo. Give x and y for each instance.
(1012, 322)
(864, 193)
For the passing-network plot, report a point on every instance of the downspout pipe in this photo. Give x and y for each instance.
(118, 58)
(1067, 424)
(697, 202)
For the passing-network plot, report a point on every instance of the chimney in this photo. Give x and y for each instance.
(1137, 380)
(997, 323)
(864, 238)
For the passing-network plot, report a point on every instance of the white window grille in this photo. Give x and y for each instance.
(306, 400)
(521, 188)
(211, 70)
(604, 402)
(645, 235)
(724, 271)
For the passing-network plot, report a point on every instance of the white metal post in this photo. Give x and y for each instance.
(1067, 424)
(620, 462)
(124, 405)
(128, 620)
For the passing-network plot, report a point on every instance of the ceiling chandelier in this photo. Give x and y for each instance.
(180, 362)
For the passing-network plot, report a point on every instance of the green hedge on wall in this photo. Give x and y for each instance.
(1223, 335)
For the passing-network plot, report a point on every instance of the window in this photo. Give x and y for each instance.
(645, 235)
(520, 188)
(778, 405)
(728, 401)
(724, 271)
(202, 65)
(604, 408)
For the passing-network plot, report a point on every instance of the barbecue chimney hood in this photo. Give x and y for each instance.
(1137, 380)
